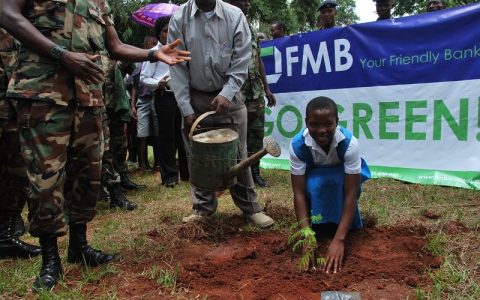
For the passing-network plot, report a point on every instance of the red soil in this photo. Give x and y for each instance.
(221, 262)
(380, 263)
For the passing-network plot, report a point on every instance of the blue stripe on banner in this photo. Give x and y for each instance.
(433, 47)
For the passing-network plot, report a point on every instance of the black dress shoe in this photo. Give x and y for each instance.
(10, 245)
(80, 252)
(51, 271)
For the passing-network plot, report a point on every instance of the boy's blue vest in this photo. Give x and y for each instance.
(325, 184)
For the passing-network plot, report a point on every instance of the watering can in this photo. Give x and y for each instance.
(214, 155)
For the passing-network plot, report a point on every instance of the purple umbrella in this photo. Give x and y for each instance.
(148, 14)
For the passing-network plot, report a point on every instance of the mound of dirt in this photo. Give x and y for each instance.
(380, 263)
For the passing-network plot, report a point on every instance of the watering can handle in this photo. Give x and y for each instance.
(200, 118)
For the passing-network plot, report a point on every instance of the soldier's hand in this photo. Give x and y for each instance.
(220, 104)
(271, 98)
(84, 66)
(170, 55)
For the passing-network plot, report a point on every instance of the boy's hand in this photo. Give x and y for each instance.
(334, 259)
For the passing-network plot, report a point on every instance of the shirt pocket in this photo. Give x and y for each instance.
(222, 58)
(48, 15)
(96, 27)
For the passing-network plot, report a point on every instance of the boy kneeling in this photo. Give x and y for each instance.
(327, 173)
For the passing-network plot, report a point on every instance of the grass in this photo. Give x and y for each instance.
(138, 237)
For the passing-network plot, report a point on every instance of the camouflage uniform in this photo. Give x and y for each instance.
(13, 176)
(254, 94)
(117, 115)
(59, 115)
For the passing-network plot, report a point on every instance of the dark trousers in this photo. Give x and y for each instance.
(170, 138)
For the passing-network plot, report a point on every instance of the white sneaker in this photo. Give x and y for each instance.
(193, 218)
(260, 219)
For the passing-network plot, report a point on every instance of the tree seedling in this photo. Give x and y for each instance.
(304, 238)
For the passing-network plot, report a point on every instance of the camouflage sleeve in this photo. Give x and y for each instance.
(108, 15)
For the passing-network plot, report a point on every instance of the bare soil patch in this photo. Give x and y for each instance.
(219, 261)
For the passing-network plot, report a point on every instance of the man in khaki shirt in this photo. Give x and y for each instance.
(218, 37)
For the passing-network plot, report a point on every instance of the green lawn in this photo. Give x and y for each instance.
(388, 202)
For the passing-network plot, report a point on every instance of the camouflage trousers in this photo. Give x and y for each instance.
(256, 124)
(116, 147)
(62, 148)
(13, 175)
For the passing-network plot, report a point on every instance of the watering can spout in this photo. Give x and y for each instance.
(270, 146)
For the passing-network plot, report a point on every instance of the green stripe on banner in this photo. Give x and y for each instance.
(462, 179)
(268, 51)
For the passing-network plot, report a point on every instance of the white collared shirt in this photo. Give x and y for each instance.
(152, 73)
(352, 162)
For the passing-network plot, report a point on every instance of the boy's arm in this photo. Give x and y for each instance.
(335, 251)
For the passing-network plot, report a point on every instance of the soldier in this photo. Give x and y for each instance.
(254, 90)
(326, 18)
(117, 113)
(57, 83)
(13, 175)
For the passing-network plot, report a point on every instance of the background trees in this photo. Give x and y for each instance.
(298, 15)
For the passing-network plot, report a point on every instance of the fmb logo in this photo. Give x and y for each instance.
(311, 58)
(277, 57)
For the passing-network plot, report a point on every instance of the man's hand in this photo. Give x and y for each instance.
(84, 66)
(271, 98)
(220, 104)
(188, 121)
(334, 259)
(162, 84)
(170, 55)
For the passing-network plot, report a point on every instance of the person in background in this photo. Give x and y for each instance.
(433, 5)
(328, 12)
(143, 103)
(148, 43)
(254, 91)
(278, 30)
(212, 81)
(384, 9)
(155, 77)
(262, 37)
(14, 186)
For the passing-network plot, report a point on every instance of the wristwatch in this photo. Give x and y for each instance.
(151, 56)
(57, 52)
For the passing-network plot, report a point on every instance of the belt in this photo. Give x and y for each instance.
(213, 93)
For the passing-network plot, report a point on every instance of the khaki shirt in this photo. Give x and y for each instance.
(220, 47)
(77, 25)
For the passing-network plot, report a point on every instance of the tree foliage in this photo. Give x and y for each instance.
(403, 7)
(298, 15)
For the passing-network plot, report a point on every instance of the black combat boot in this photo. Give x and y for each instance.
(118, 199)
(257, 178)
(10, 245)
(80, 252)
(19, 226)
(127, 184)
(51, 271)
